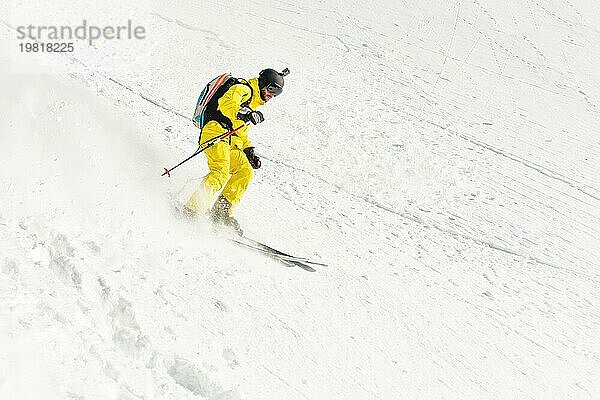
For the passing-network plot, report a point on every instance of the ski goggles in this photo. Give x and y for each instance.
(274, 88)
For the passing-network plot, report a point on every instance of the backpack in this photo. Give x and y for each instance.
(207, 105)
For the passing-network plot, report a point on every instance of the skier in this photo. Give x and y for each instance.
(231, 161)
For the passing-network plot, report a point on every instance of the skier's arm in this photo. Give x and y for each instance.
(244, 137)
(231, 102)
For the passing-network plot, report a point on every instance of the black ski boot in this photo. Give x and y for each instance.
(220, 215)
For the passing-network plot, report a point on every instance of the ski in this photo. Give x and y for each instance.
(262, 249)
(281, 253)
(254, 245)
(286, 259)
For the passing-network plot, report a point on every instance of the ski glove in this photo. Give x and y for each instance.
(253, 159)
(246, 114)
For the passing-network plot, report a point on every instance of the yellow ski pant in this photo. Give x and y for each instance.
(229, 170)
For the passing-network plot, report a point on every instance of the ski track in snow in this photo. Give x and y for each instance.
(456, 203)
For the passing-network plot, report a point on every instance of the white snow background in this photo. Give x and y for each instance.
(441, 156)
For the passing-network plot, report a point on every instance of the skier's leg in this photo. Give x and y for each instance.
(241, 175)
(219, 165)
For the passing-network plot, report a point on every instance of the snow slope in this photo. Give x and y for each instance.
(441, 157)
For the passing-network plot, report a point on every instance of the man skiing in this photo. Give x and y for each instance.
(231, 161)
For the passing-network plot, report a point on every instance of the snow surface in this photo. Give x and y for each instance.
(441, 157)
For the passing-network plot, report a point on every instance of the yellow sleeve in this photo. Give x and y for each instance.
(231, 102)
(243, 134)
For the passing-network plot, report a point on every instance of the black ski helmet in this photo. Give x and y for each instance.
(272, 80)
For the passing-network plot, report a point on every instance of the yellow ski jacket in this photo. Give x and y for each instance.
(229, 104)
